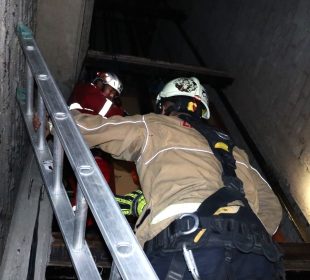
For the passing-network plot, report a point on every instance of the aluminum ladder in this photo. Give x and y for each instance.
(129, 260)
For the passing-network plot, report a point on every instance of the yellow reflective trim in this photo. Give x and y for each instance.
(199, 234)
(123, 201)
(221, 145)
(227, 210)
(191, 106)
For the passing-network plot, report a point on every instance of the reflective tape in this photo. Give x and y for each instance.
(105, 108)
(75, 106)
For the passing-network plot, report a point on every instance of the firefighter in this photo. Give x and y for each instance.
(209, 214)
(100, 97)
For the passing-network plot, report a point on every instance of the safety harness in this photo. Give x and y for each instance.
(210, 225)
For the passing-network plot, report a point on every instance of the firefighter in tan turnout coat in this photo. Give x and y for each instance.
(209, 213)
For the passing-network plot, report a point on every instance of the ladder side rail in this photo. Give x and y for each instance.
(51, 171)
(122, 243)
(82, 260)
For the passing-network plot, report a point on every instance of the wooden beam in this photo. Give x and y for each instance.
(296, 256)
(145, 66)
(138, 10)
(17, 255)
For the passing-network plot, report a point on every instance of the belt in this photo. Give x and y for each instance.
(170, 238)
(213, 231)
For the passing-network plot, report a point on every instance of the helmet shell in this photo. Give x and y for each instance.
(189, 87)
(110, 79)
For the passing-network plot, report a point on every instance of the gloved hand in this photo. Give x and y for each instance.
(131, 203)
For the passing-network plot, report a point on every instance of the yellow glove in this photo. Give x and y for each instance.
(131, 203)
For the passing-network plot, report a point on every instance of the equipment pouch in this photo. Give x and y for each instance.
(242, 238)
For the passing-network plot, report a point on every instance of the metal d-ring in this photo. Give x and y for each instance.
(195, 226)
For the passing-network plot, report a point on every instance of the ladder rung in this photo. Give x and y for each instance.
(60, 257)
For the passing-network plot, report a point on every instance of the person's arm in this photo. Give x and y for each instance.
(123, 138)
(263, 201)
(270, 209)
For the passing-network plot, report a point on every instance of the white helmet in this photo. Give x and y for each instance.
(111, 79)
(189, 87)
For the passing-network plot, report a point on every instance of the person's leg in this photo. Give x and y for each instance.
(252, 266)
(220, 264)
(161, 262)
(210, 263)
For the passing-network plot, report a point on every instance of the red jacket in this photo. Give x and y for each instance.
(88, 98)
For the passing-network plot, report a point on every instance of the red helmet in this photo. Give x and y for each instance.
(110, 79)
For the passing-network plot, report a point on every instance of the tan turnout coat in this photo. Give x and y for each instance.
(175, 165)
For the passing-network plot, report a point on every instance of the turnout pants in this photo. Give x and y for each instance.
(214, 263)
(221, 248)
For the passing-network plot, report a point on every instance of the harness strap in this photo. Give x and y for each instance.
(177, 268)
(222, 147)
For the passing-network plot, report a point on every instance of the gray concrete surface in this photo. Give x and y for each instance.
(265, 46)
(62, 33)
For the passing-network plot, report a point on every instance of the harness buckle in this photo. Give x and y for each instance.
(195, 226)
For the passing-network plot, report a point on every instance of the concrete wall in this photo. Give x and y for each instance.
(265, 46)
(61, 29)
(62, 35)
(12, 133)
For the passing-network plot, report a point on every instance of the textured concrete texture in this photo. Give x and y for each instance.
(62, 36)
(12, 133)
(64, 40)
(265, 46)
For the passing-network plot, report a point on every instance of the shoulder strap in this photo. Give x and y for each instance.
(222, 148)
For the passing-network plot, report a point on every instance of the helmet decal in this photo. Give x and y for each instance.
(187, 87)
(191, 106)
(185, 84)
(204, 93)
